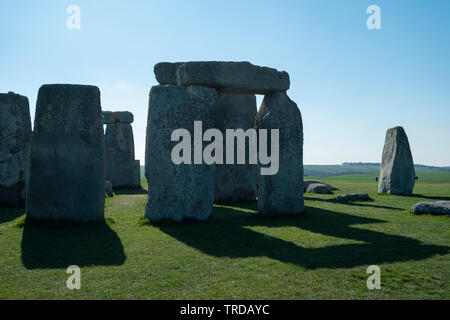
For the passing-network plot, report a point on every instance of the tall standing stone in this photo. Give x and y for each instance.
(15, 142)
(122, 170)
(67, 168)
(282, 193)
(178, 191)
(397, 174)
(235, 182)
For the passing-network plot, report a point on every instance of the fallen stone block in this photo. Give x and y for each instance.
(353, 197)
(435, 208)
(320, 188)
(307, 183)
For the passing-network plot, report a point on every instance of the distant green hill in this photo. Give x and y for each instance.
(360, 168)
(365, 170)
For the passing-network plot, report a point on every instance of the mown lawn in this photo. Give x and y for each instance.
(238, 254)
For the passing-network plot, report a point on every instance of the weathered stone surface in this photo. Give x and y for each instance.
(120, 162)
(137, 171)
(184, 190)
(353, 197)
(440, 207)
(320, 188)
(166, 72)
(15, 143)
(397, 175)
(12, 196)
(307, 183)
(67, 167)
(282, 193)
(235, 182)
(110, 117)
(109, 189)
(233, 77)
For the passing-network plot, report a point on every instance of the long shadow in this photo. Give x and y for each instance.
(129, 191)
(227, 235)
(359, 204)
(9, 214)
(438, 198)
(59, 246)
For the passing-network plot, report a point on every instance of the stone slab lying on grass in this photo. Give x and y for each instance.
(232, 77)
(307, 183)
(320, 188)
(67, 163)
(353, 197)
(440, 207)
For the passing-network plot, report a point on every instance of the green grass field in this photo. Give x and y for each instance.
(238, 254)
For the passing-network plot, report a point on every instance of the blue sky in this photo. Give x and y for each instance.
(350, 83)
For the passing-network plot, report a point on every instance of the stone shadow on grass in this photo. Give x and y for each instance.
(9, 214)
(431, 198)
(357, 203)
(46, 246)
(227, 235)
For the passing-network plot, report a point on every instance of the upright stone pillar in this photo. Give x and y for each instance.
(122, 170)
(67, 172)
(397, 174)
(184, 190)
(282, 193)
(15, 142)
(235, 182)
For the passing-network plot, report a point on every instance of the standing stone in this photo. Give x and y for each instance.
(67, 171)
(282, 193)
(110, 117)
(122, 170)
(235, 182)
(184, 190)
(397, 167)
(15, 142)
(440, 207)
